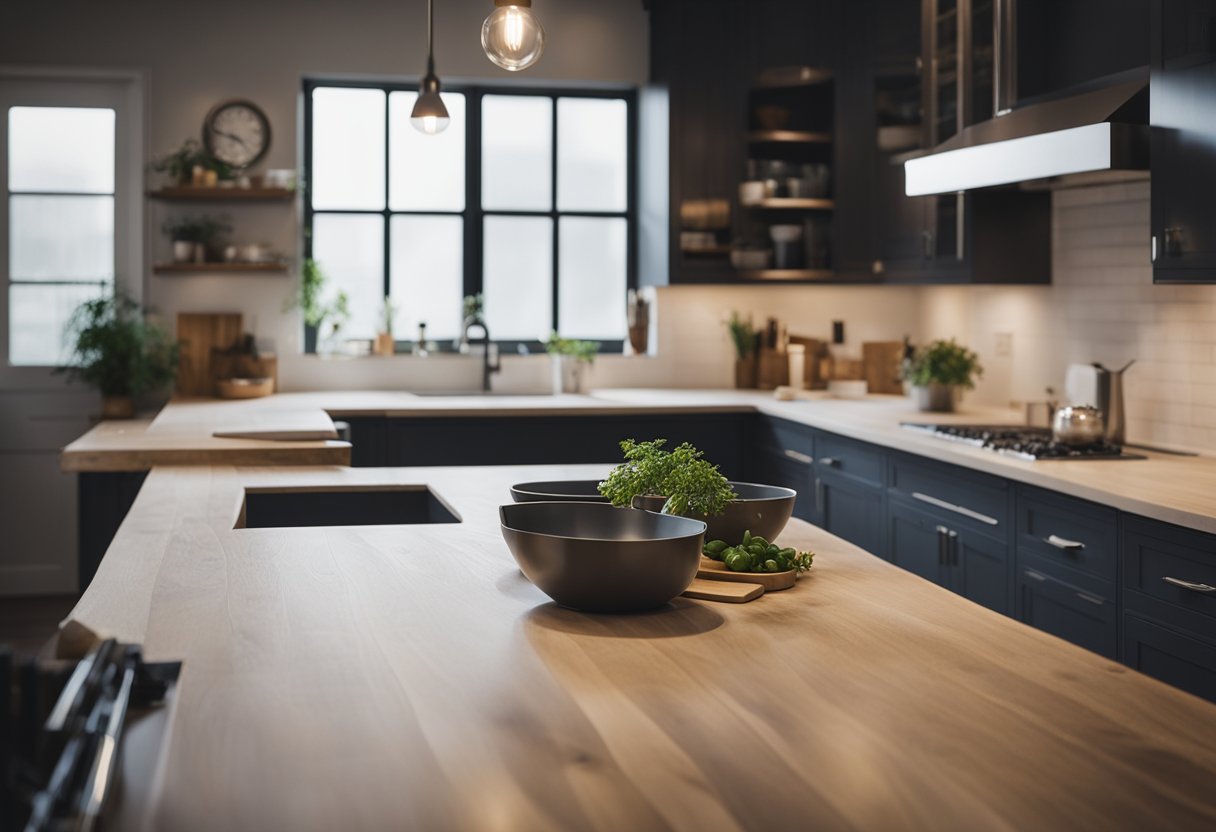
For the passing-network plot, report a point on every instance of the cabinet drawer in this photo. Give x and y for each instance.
(795, 442)
(1171, 574)
(972, 500)
(1086, 619)
(849, 457)
(1174, 658)
(1074, 533)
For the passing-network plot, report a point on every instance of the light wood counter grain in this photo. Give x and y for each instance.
(1174, 489)
(410, 678)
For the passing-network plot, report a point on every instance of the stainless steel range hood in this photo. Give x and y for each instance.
(1097, 134)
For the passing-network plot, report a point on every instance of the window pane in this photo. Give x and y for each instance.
(61, 237)
(516, 153)
(350, 250)
(426, 172)
(61, 149)
(347, 149)
(591, 154)
(592, 278)
(519, 277)
(38, 318)
(428, 275)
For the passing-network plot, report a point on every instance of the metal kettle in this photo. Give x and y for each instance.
(1110, 402)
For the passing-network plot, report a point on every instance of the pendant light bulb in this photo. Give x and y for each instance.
(430, 115)
(512, 36)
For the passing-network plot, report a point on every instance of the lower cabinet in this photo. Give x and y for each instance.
(1173, 657)
(776, 466)
(1085, 618)
(852, 510)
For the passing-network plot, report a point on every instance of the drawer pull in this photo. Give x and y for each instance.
(1093, 599)
(1193, 587)
(1030, 573)
(798, 456)
(1063, 543)
(966, 512)
(829, 461)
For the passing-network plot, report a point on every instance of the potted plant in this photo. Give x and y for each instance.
(939, 372)
(474, 307)
(180, 164)
(310, 300)
(119, 352)
(744, 336)
(384, 339)
(196, 239)
(570, 360)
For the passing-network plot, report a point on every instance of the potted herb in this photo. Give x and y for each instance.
(939, 372)
(316, 310)
(744, 336)
(180, 164)
(685, 481)
(384, 338)
(119, 352)
(196, 239)
(570, 360)
(474, 307)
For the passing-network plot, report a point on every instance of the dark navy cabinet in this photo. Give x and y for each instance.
(851, 509)
(1084, 618)
(916, 541)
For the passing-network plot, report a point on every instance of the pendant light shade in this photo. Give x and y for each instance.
(430, 116)
(512, 36)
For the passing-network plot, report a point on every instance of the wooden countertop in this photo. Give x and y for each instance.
(1173, 489)
(409, 677)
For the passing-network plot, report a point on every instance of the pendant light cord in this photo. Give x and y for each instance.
(430, 37)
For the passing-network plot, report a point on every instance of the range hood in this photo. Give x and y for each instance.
(1099, 134)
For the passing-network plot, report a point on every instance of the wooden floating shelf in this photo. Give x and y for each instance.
(788, 137)
(794, 204)
(709, 251)
(787, 274)
(187, 193)
(213, 268)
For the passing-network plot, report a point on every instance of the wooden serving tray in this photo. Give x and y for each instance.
(771, 581)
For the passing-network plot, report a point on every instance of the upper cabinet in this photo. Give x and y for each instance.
(1183, 100)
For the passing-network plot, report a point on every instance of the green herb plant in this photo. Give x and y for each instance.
(310, 299)
(691, 484)
(743, 335)
(180, 164)
(117, 350)
(388, 311)
(584, 351)
(755, 554)
(943, 362)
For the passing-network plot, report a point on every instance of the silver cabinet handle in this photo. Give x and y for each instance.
(798, 456)
(1064, 543)
(1193, 587)
(1153, 250)
(1093, 599)
(963, 510)
(1030, 573)
(952, 548)
(829, 461)
(943, 556)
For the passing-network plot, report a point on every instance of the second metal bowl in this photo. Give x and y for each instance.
(581, 491)
(761, 509)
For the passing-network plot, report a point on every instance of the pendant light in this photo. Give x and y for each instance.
(430, 116)
(512, 36)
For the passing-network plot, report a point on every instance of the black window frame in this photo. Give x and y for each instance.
(474, 214)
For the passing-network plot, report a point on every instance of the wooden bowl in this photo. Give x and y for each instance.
(244, 388)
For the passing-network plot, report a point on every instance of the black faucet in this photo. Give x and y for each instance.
(488, 368)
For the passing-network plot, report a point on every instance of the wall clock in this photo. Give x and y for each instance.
(236, 133)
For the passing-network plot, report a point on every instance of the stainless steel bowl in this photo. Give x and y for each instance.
(582, 491)
(597, 558)
(761, 509)
(1081, 425)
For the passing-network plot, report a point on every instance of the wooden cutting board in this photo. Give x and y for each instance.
(772, 581)
(730, 593)
(199, 333)
(880, 362)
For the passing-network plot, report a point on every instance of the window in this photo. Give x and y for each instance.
(527, 198)
(59, 202)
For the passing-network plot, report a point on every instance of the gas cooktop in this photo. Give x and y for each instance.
(1019, 441)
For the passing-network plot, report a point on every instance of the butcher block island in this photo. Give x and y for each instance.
(409, 677)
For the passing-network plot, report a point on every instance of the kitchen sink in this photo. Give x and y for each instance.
(279, 508)
(465, 393)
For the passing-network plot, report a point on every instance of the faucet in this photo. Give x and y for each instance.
(488, 367)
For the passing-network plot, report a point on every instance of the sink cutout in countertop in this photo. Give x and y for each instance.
(283, 508)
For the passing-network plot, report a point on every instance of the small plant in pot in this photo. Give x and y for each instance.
(939, 372)
(744, 336)
(119, 352)
(571, 358)
(196, 239)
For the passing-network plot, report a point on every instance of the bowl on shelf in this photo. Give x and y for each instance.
(578, 491)
(761, 509)
(597, 558)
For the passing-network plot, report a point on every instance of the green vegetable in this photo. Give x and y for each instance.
(755, 554)
(691, 484)
(714, 548)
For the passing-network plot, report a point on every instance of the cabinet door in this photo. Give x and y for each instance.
(1184, 140)
(1170, 656)
(915, 541)
(774, 467)
(1084, 618)
(851, 510)
(979, 568)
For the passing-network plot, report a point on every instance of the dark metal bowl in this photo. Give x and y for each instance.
(761, 509)
(597, 558)
(580, 491)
